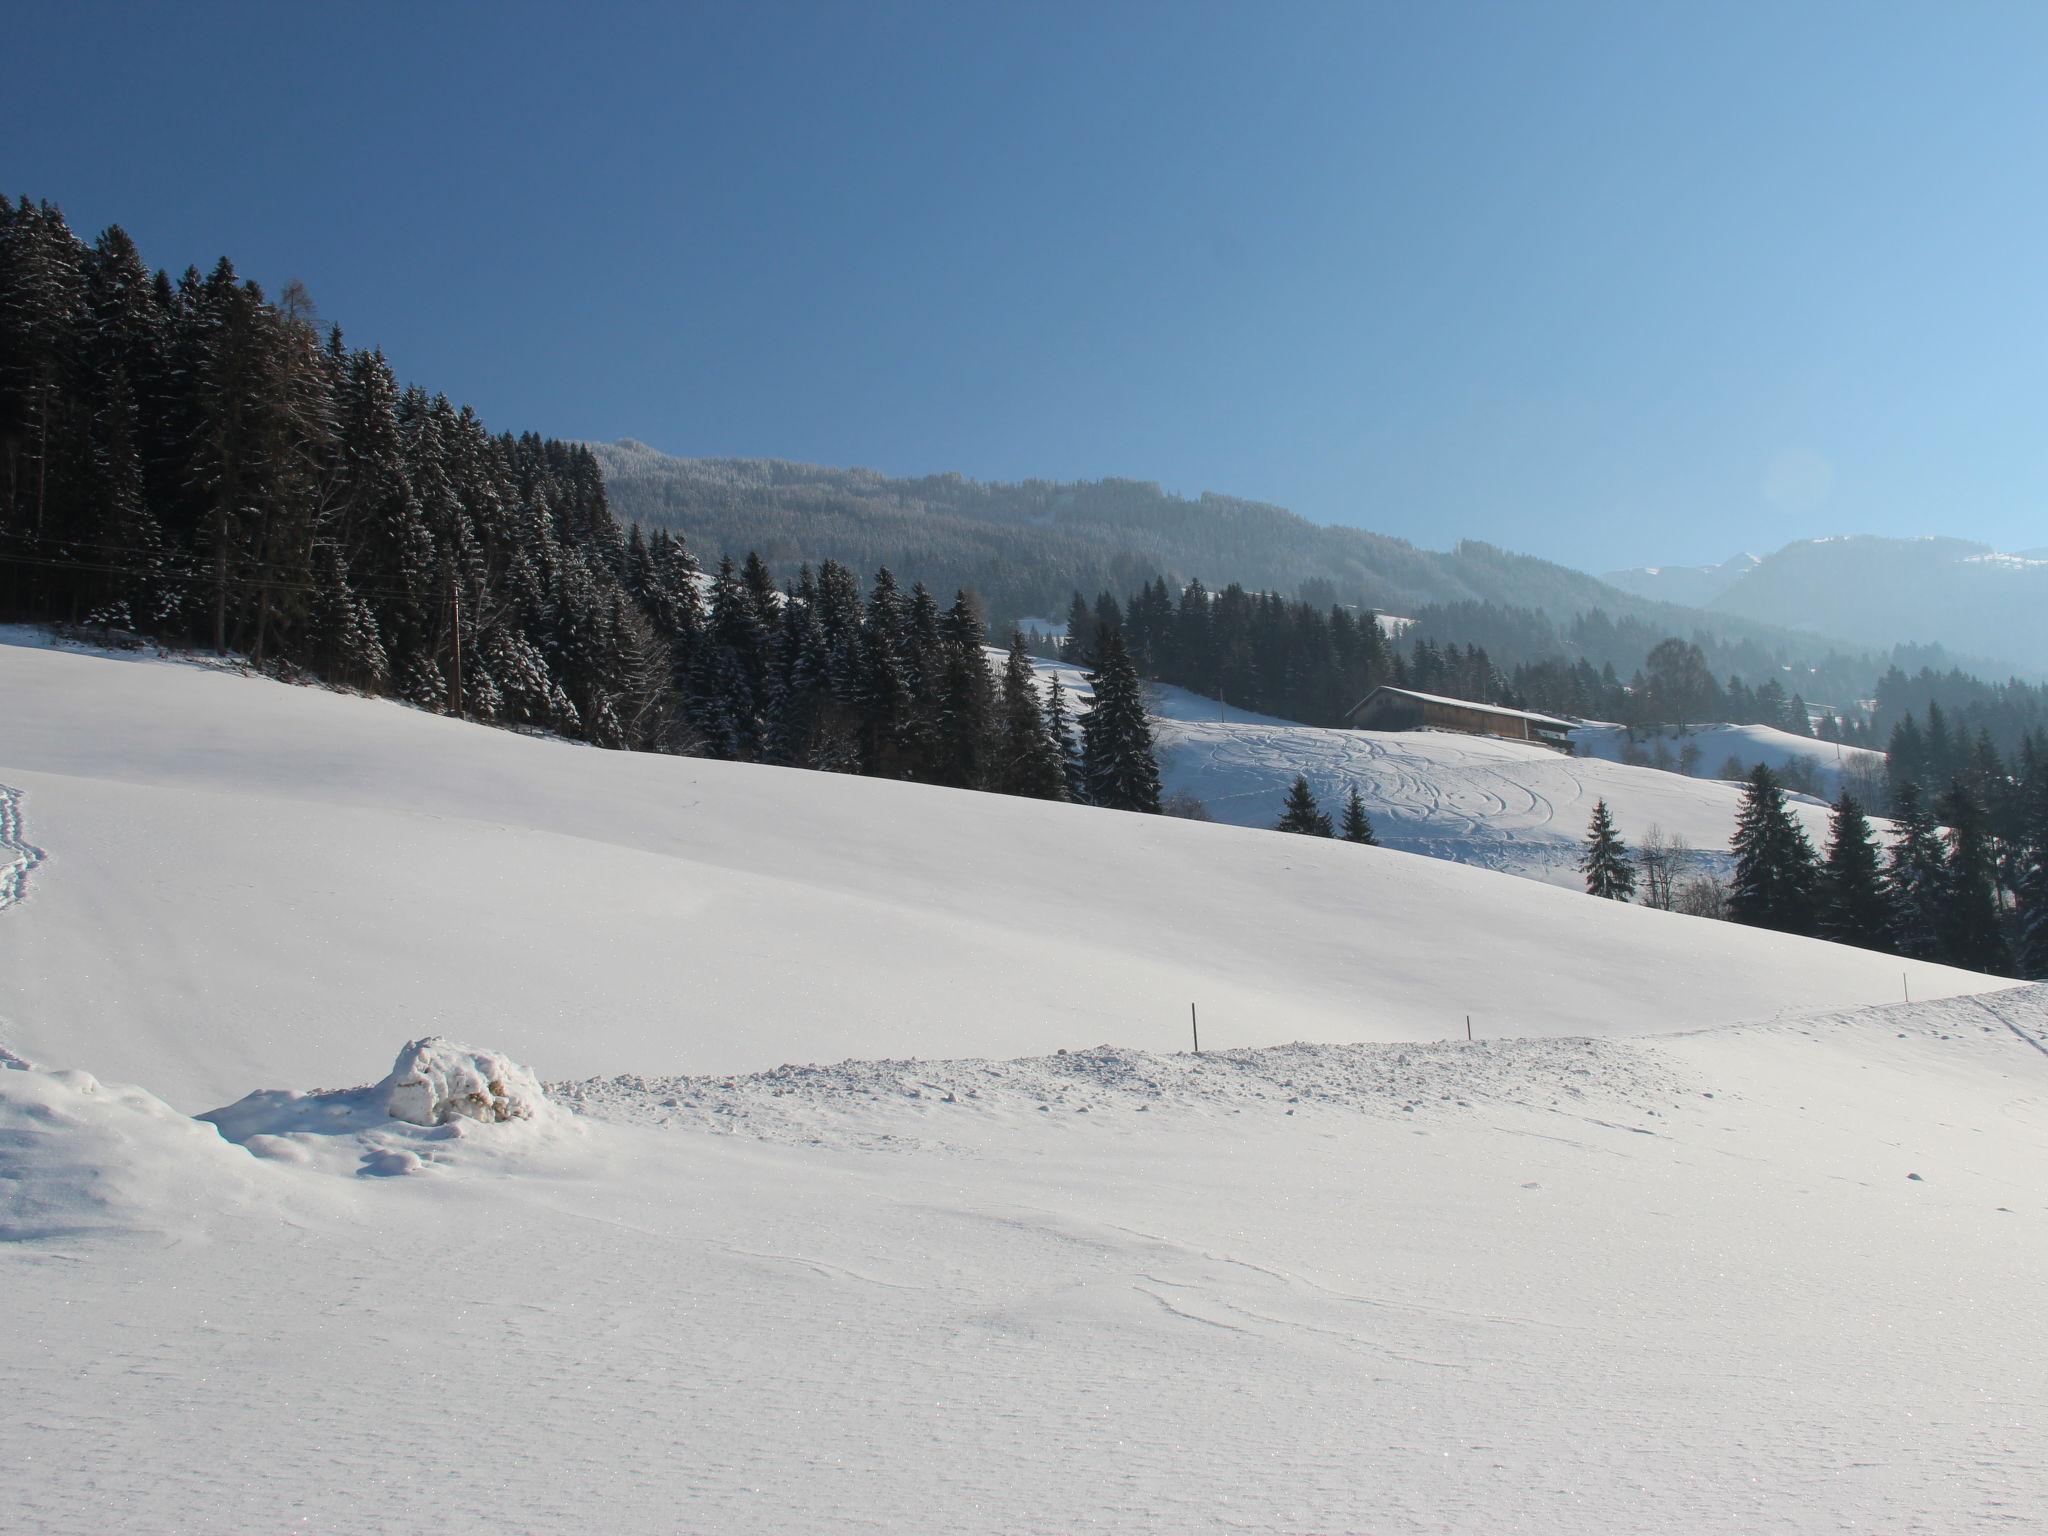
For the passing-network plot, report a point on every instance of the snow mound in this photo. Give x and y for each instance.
(443, 1105)
(79, 1157)
(436, 1081)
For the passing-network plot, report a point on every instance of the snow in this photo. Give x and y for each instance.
(1686, 1284)
(435, 1081)
(1515, 807)
(872, 1188)
(1832, 762)
(1496, 709)
(299, 877)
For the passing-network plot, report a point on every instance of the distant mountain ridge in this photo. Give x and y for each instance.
(1026, 546)
(1963, 595)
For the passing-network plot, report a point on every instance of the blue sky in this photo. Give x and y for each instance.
(1613, 284)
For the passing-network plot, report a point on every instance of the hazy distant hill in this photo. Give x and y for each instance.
(1695, 586)
(1965, 596)
(1027, 546)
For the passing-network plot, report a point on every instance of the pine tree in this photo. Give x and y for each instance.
(1302, 814)
(1914, 877)
(1060, 739)
(2030, 947)
(1080, 642)
(1854, 905)
(1606, 863)
(1775, 870)
(966, 700)
(1117, 759)
(1355, 828)
(1972, 936)
(1027, 763)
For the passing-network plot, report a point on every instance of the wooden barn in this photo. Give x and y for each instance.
(1402, 709)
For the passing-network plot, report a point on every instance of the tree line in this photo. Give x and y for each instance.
(189, 461)
(1948, 888)
(1271, 655)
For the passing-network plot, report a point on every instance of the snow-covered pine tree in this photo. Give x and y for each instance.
(1775, 868)
(1606, 865)
(1301, 813)
(1354, 826)
(1855, 907)
(1117, 759)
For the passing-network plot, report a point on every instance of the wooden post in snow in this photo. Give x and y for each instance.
(455, 620)
(1195, 1025)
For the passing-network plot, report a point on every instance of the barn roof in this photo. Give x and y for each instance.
(1438, 698)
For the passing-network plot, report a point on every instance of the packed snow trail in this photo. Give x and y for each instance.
(22, 856)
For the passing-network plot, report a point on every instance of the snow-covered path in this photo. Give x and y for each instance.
(19, 857)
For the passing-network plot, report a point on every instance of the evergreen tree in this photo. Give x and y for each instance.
(2030, 947)
(966, 700)
(1775, 871)
(1855, 907)
(1301, 813)
(1080, 642)
(1914, 878)
(1606, 863)
(1971, 933)
(1355, 828)
(1027, 763)
(1117, 760)
(1061, 739)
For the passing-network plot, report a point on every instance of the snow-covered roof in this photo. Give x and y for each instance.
(1438, 698)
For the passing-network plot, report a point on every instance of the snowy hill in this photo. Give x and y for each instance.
(1053, 1274)
(1502, 805)
(299, 876)
(1969, 597)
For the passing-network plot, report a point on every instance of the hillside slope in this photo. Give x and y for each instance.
(1503, 805)
(1026, 547)
(245, 882)
(1967, 597)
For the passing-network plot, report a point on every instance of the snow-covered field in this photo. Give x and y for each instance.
(1648, 1255)
(1503, 805)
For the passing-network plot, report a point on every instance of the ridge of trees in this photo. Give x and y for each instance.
(190, 461)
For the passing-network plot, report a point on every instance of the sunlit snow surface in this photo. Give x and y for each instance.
(1613, 1266)
(1505, 805)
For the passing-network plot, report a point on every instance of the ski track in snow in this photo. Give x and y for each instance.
(21, 856)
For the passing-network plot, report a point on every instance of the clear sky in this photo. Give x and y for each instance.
(1614, 284)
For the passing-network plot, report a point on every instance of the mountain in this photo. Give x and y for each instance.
(1026, 547)
(1695, 586)
(1967, 597)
